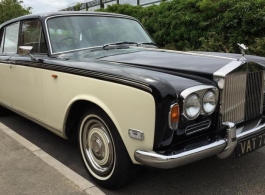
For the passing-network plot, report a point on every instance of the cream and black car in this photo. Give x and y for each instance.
(100, 79)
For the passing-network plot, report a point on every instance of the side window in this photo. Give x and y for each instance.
(43, 47)
(11, 38)
(30, 34)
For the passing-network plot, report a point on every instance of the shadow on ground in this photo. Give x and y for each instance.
(245, 175)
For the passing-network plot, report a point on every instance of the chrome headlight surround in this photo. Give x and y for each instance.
(200, 91)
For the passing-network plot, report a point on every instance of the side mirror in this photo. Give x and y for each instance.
(24, 50)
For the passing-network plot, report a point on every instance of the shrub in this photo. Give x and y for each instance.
(212, 25)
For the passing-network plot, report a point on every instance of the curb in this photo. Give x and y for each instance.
(78, 180)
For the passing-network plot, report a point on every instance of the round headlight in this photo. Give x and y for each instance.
(192, 106)
(209, 102)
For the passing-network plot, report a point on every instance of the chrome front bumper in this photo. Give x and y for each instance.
(222, 148)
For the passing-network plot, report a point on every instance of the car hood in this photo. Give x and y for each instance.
(257, 59)
(151, 66)
(200, 64)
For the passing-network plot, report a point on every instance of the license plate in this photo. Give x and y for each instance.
(250, 144)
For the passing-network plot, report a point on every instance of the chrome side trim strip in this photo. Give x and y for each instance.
(84, 72)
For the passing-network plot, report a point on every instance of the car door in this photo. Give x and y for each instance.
(8, 47)
(26, 96)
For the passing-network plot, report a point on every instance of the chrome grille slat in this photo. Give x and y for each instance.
(242, 96)
(234, 98)
(263, 100)
(191, 129)
(253, 95)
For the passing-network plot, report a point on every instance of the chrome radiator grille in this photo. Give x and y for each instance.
(254, 95)
(242, 97)
(263, 101)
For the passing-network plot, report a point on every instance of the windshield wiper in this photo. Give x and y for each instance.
(148, 43)
(119, 43)
(127, 43)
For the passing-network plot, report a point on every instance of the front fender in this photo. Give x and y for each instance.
(133, 109)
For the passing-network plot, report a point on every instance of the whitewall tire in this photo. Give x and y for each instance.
(103, 151)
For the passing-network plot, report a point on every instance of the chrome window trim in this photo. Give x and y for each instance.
(2, 41)
(88, 14)
(8, 25)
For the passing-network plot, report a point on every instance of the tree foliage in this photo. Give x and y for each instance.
(77, 7)
(211, 25)
(10, 9)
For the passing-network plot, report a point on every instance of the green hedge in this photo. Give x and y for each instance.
(209, 25)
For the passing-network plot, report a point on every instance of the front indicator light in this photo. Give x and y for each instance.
(173, 117)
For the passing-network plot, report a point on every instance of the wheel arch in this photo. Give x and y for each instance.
(134, 109)
(76, 109)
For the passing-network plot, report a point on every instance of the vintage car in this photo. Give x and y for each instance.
(100, 79)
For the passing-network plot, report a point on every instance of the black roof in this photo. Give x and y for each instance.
(48, 14)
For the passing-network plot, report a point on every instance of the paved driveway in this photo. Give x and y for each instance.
(245, 175)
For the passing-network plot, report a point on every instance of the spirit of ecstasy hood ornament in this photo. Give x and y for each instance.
(243, 49)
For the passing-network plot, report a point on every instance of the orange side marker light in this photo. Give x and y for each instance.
(175, 113)
(54, 76)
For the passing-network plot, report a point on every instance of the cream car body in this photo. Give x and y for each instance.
(99, 79)
(35, 94)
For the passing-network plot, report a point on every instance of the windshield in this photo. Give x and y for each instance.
(77, 32)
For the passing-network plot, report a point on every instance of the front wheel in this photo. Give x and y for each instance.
(103, 151)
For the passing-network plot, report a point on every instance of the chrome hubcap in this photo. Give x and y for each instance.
(98, 146)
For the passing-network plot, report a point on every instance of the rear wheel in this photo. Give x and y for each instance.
(103, 151)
